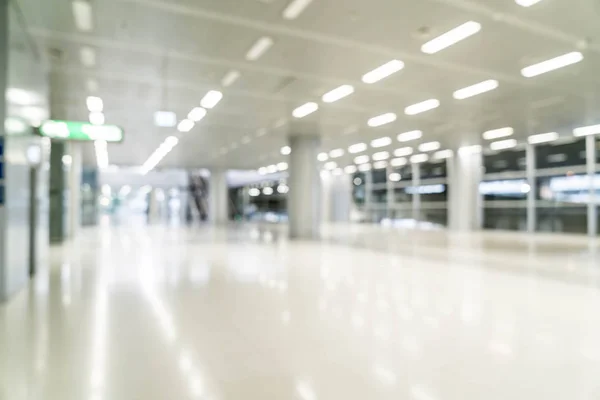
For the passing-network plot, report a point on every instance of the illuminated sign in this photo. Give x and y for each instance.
(426, 189)
(82, 131)
(504, 187)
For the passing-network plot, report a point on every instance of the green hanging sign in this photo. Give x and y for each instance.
(81, 131)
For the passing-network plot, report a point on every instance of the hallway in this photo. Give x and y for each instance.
(156, 312)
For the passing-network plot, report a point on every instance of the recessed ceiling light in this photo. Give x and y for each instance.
(381, 142)
(165, 119)
(380, 164)
(211, 99)
(381, 120)
(94, 104)
(271, 169)
(467, 150)
(542, 138)
(322, 157)
(503, 144)
(364, 167)
(475, 89)
(422, 107)
(527, 3)
(350, 169)
(399, 162)
(87, 56)
(336, 153)
(230, 78)
(380, 156)
(197, 114)
(305, 110)
(383, 71)
(331, 165)
(82, 11)
(587, 130)
(285, 150)
(96, 118)
(338, 93)
(552, 64)
(295, 8)
(419, 158)
(395, 177)
(362, 159)
(357, 148)
(403, 151)
(429, 146)
(442, 154)
(260, 47)
(267, 191)
(498, 133)
(282, 166)
(409, 136)
(451, 37)
(262, 171)
(22, 97)
(185, 125)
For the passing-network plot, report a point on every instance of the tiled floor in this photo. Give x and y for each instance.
(128, 313)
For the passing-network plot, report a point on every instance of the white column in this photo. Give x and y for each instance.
(74, 178)
(592, 211)
(416, 199)
(154, 206)
(305, 187)
(336, 199)
(531, 210)
(465, 205)
(218, 195)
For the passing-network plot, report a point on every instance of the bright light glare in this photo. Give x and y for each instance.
(383, 71)
(442, 154)
(395, 177)
(381, 142)
(467, 150)
(336, 153)
(542, 138)
(552, 64)
(230, 78)
(165, 148)
(364, 167)
(94, 104)
(382, 155)
(429, 146)
(419, 158)
(331, 165)
(322, 157)
(338, 93)
(587, 130)
(211, 99)
(286, 150)
(498, 133)
(475, 89)
(403, 151)
(305, 109)
(408, 136)
(451, 37)
(503, 144)
(422, 107)
(357, 148)
(362, 159)
(101, 153)
(295, 8)
(185, 125)
(282, 166)
(527, 3)
(260, 47)
(254, 192)
(382, 119)
(267, 191)
(197, 114)
(380, 165)
(82, 11)
(399, 162)
(165, 119)
(96, 118)
(350, 169)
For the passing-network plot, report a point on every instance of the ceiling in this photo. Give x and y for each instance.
(166, 54)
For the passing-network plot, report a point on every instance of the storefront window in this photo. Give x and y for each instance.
(562, 203)
(511, 160)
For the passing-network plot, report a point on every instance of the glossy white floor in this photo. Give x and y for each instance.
(368, 313)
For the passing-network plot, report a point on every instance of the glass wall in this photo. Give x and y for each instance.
(433, 192)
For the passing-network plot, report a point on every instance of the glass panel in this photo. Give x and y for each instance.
(562, 203)
(504, 189)
(379, 196)
(358, 188)
(510, 160)
(560, 155)
(512, 219)
(435, 216)
(434, 170)
(379, 176)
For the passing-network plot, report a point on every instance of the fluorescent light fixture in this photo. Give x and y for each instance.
(403, 151)
(96, 118)
(422, 107)
(211, 99)
(94, 104)
(395, 177)
(22, 97)
(408, 136)
(259, 48)
(475, 89)
(87, 55)
(503, 144)
(467, 150)
(331, 165)
(14, 126)
(101, 153)
(442, 154)
(166, 146)
(286, 150)
(295, 8)
(382, 155)
(338, 93)
(282, 166)
(267, 191)
(165, 119)
(429, 146)
(419, 158)
(82, 11)
(305, 109)
(587, 130)
(498, 133)
(552, 64)
(322, 157)
(527, 3)
(364, 167)
(185, 125)
(230, 78)
(350, 169)
(271, 169)
(451, 37)
(197, 114)
(382, 119)
(399, 162)
(542, 138)
(381, 142)
(282, 189)
(262, 171)
(362, 159)
(357, 148)
(383, 71)
(336, 153)
(380, 165)
(253, 192)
